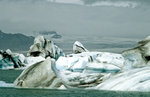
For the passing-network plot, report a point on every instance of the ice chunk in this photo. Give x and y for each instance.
(78, 48)
(4, 84)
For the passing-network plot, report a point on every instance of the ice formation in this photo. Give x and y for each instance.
(78, 48)
(41, 49)
(128, 71)
(138, 56)
(44, 47)
(9, 60)
(132, 80)
(38, 75)
(4, 84)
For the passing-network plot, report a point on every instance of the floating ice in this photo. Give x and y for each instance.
(44, 47)
(78, 48)
(129, 71)
(4, 84)
(9, 60)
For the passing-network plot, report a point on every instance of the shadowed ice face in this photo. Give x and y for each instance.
(140, 55)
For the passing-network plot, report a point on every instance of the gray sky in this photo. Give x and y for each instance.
(68, 19)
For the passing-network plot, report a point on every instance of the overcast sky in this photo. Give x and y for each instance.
(111, 19)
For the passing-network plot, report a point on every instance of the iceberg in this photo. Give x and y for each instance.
(138, 56)
(91, 62)
(9, 60)
(39, 51)
(87, 69)
(78, 48)
(44, 47)
(132, 80)
(128, 71)
(38, 75)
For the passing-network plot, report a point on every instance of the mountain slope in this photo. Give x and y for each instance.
(17, 42)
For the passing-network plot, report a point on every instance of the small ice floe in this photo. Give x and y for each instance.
(4, 84)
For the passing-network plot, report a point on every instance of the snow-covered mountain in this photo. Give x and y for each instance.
(114, 3)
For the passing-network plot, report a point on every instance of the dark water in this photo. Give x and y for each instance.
(13, 92)
(10, 75)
